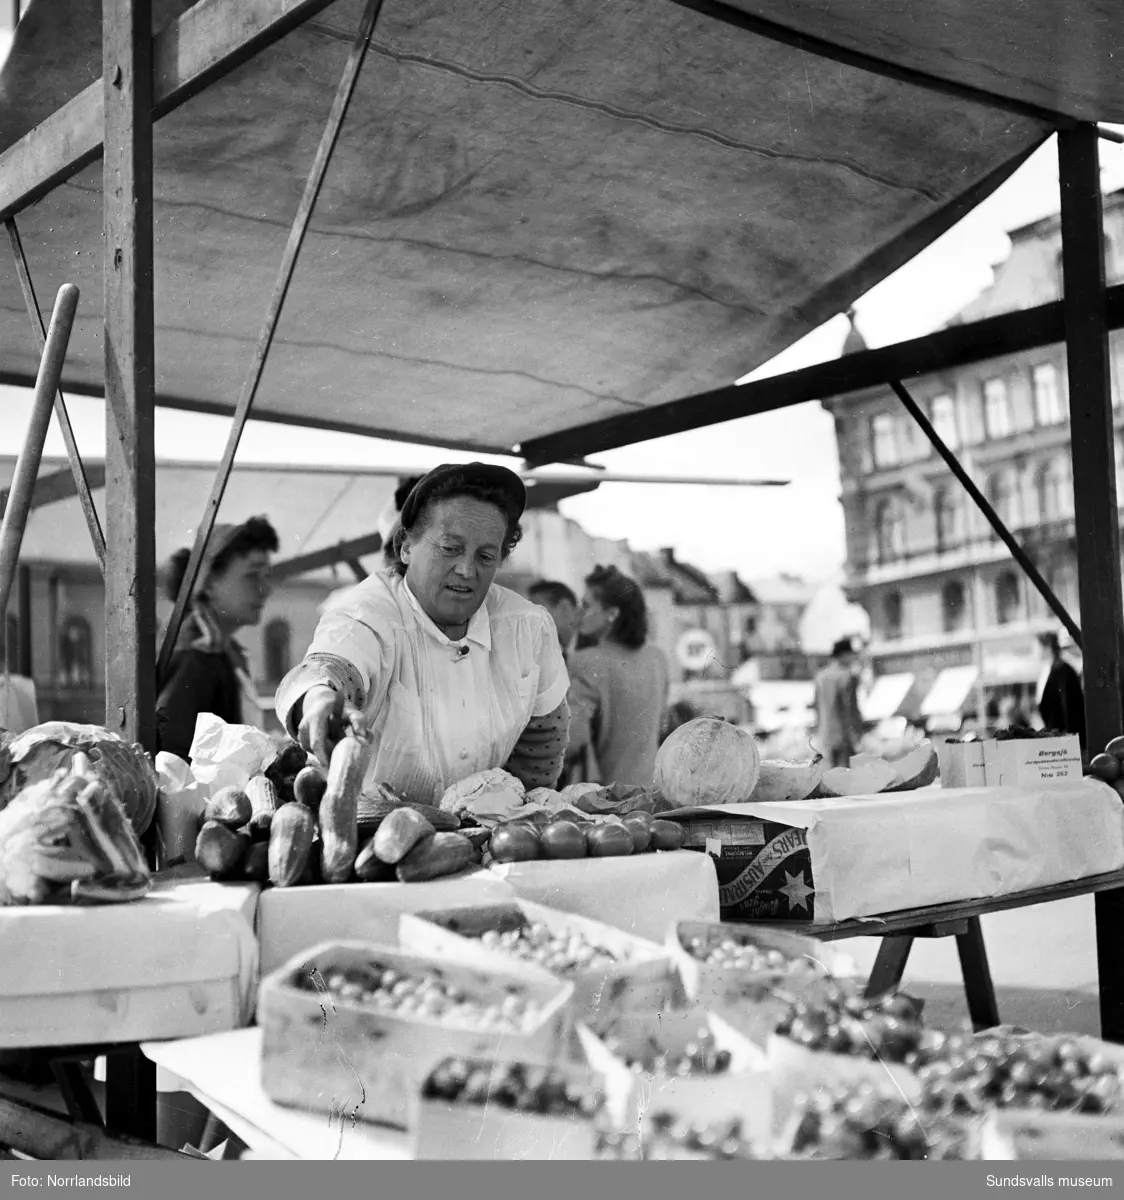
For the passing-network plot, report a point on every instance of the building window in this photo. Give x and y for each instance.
(971, 419)
(944, 421)
(1047, 401)
(1006, 598)
(1003, 492)
(76, 655)
(1055, 489)
(276, 638)
(997, 409)
(892, 615)
(884, 433)
(952, 606)
(1062, 579)
(948, 514)
(889, 530)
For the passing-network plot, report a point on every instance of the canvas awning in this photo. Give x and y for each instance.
(949, 692)
(886, 696)
(537, 216)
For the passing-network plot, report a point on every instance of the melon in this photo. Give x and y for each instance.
(867, 779)
(781, 782)
(707, 761)
(918, 769)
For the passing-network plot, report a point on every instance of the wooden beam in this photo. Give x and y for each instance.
(330, 556)
(1096, 517)
(130, 470)
(820, 48)
(59, 485)
(49, 1137)
(74, 457)
(297, 232)
(956, 346)
(203, 44)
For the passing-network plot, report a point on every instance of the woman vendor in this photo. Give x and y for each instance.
(452, 673)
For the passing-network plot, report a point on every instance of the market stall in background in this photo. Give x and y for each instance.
(613, 230)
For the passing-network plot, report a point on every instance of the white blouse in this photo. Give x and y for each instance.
(440, 710)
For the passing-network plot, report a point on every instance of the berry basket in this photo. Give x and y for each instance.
(612, 972)
(687, 1064)
(353, 1029)
(482, 1109)
(746, 972)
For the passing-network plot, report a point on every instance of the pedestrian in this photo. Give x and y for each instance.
(618, 686)
(209, 672)
(1061, 700)
(562, 604)
(839, 722)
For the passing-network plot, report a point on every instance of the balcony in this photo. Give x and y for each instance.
(981, 549)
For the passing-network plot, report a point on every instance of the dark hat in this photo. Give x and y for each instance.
(448, 478)
(842, 647)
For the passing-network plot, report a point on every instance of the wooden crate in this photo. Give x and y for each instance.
(324, 1054)
(647, 981)
(1020, 1135)
(744, 1091)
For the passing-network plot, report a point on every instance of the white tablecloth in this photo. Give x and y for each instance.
(181, 962)
(224, 1073)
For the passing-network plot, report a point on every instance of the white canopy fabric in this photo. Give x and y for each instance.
(949, 692)
(538, 216)
(886, 696)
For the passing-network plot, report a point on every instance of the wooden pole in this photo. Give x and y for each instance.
(993, 519)
(77, 468)
(269, 327)
(130, 476)
(27, 465)
(1095, 501)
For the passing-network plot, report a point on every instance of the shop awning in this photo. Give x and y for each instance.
(538, 216)
(948, 694)
(886, 696)
(779, 704)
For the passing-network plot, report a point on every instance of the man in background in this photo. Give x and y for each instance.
(562, 604)
(1061, 699)
(839, 721)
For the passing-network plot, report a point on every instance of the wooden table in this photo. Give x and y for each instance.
(960, 920)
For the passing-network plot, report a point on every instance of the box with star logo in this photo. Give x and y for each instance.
(764, 868)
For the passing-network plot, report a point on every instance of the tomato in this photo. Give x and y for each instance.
(641, 831)
(562, 839)
(608, 841)
(1106, 767)
(667, 835)
(514, 843)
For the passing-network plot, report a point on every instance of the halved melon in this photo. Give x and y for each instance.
(918, 769)
(867, 779)
(783, 782)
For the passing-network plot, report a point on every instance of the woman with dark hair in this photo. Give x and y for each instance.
(208, 672)
(452, 673)
(618, 686)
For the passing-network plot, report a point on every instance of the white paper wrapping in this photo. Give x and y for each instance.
(873, 855)
(644, 895)
(225, 755)
(181, 962)
(179, 808)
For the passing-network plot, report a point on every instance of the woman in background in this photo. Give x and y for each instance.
(618, 686)
(209, 672)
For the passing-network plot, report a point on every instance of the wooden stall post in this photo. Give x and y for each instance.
(130, 469)
(130, 476)
(1095, 500)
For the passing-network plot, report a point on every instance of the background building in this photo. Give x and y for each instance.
(953, 619)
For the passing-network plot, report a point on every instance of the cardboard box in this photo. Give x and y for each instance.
(355, 1062)
(1012, 762)
(764, 867)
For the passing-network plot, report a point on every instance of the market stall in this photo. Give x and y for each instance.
(918, 129)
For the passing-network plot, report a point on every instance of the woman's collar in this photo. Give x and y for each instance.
(479, 626)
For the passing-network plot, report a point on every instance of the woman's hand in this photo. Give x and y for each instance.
(321, 711)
